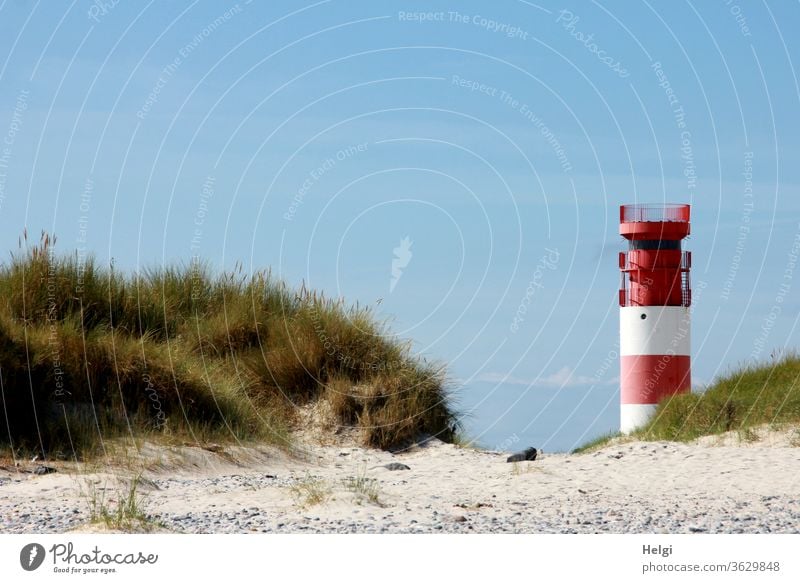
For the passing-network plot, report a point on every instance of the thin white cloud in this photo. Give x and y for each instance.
(564, 377)
(502, 378)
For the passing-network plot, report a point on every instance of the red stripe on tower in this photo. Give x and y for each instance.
(660, 375)
(654, 300)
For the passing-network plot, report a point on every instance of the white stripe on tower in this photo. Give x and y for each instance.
(655, 361)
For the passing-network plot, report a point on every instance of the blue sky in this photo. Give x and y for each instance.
(313, 138)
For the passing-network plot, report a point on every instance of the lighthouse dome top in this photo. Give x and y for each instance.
(660, 221)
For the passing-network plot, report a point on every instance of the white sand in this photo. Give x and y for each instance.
(716, 485)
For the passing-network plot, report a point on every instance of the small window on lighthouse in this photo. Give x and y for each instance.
(644, 316)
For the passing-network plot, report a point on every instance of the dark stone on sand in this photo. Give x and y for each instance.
(394, 466)
(528, 455)
(42, 470)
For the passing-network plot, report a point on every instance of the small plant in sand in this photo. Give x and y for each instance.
(520, 468)
(310, 491)
(364, 488)
(794, 439)
(124, 511)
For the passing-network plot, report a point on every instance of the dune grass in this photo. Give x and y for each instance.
(753, 396)
(88, 353)
(597, 443)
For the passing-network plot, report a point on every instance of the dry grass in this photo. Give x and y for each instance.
(522, 468)
(310, 491)
(88, 353)
(363, 488)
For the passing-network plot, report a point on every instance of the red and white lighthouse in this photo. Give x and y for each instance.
(654, 300)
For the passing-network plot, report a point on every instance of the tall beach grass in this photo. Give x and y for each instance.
(88, 353)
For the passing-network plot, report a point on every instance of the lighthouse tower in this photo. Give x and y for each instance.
(654, 300)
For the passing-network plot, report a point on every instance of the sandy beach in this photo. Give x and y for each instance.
(717, 485)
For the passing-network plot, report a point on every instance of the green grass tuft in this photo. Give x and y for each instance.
(124, 511)
(310, 491)
(363, 488)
